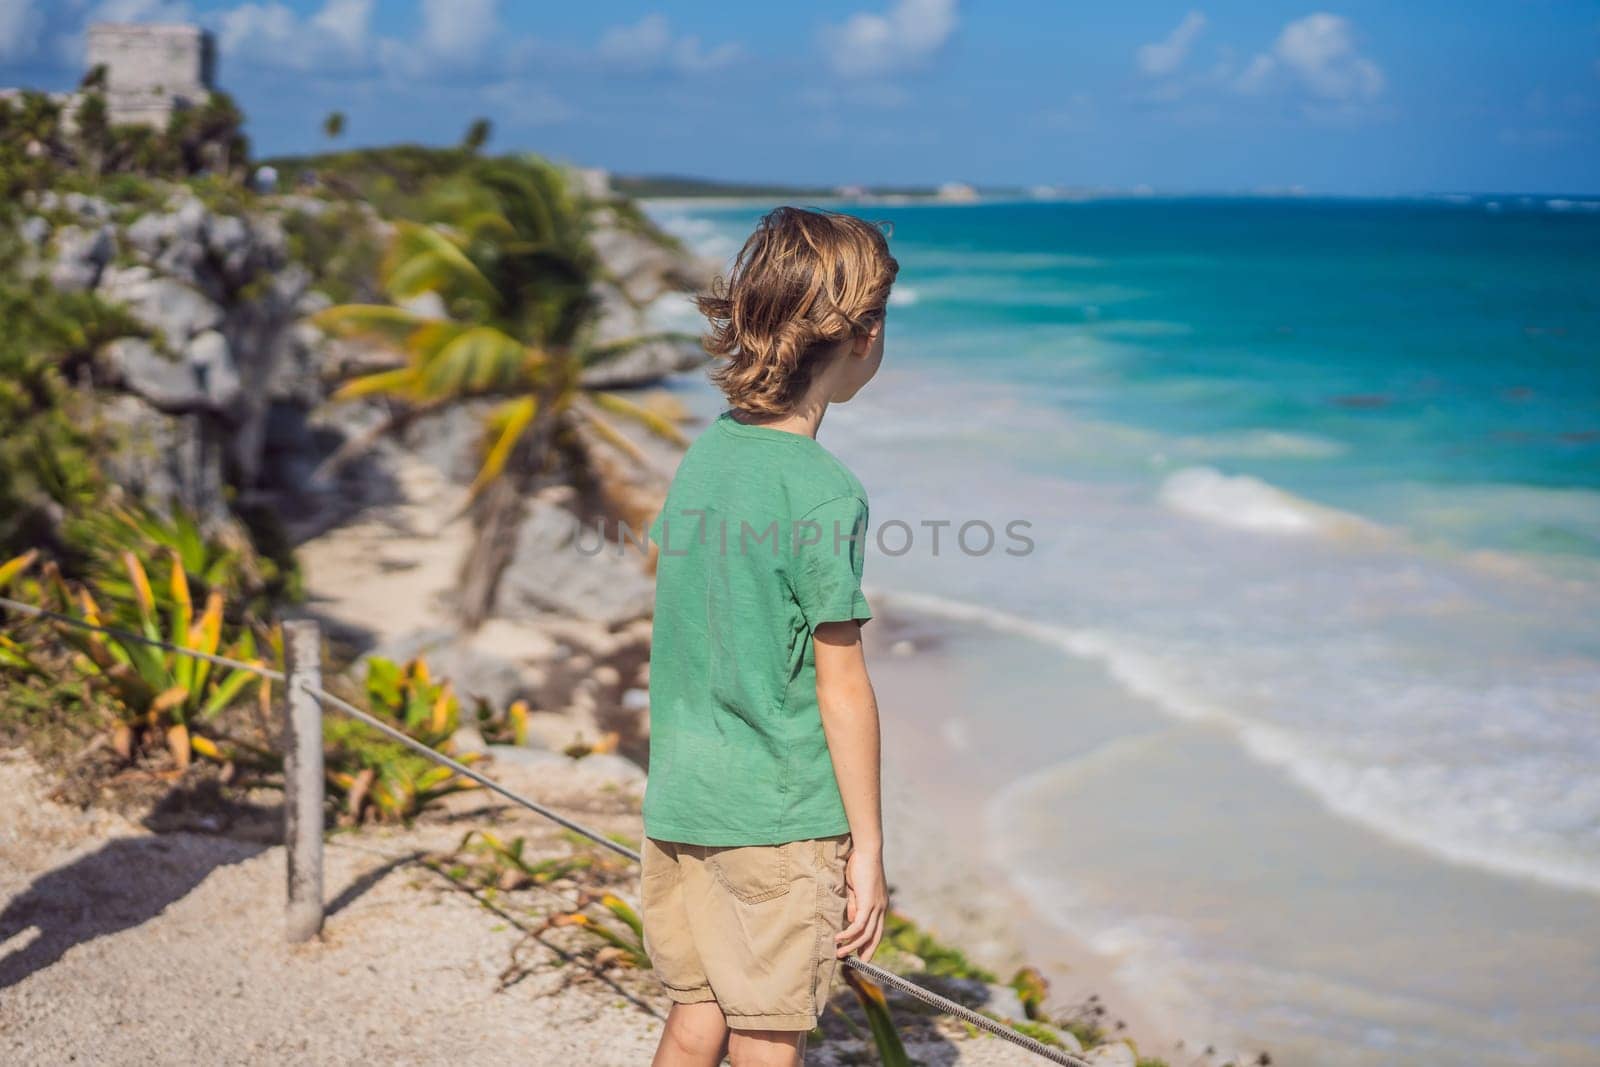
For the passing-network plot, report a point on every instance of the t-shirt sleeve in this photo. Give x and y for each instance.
(829, 548)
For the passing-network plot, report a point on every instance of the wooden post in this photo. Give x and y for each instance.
(302, 780)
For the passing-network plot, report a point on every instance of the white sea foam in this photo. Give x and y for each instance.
(1243, 502)
(903, 296)
(1473, 815)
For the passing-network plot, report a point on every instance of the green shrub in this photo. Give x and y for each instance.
(377, 777)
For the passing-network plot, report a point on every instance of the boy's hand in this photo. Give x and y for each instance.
(866, 903)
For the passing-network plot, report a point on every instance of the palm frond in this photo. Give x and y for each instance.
(595, 355)
(509, 422)
(423, 259)
(654, 421)
(608, 433)
(481, 359)
(392, 326)
(400, 382)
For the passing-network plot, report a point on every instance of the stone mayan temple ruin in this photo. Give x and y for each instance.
(152, 71)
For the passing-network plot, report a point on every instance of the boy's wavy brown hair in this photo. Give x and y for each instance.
(804, 281)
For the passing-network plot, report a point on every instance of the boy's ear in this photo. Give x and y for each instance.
(862, 343)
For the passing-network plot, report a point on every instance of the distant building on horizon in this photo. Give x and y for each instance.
(152, 71)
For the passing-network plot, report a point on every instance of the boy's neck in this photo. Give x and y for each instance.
(804, 419)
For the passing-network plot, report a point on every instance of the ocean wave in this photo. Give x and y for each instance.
(1258, 444)
(705, 237)
(1419, 805)
(1243, 502)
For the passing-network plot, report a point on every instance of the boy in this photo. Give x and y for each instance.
(763, 852)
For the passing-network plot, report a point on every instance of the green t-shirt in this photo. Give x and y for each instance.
(761, 538)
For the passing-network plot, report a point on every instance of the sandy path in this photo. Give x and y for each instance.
(119, 946)
(130, 947)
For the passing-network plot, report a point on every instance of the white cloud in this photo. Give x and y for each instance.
(1319, 53)
(1167, 55)
(456, 34)
(457, 29)
(1255, 76)
(523, 104)
(346, 22)
(141, 11)
(19, 28)
(649, 45)
(875, 45)
(274, 35)
(452, 38)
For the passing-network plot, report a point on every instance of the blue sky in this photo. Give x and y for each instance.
(1356, 97)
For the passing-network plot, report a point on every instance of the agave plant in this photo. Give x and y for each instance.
(493, 863)
(885, 1036)
(625, 946)
(509, 729)
(380, 777)
(154, 696)
(227, 562)
(14, 656)
(509, 260)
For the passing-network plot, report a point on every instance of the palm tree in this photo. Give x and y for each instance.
(477, 135)
(510, 260)
(333, 126)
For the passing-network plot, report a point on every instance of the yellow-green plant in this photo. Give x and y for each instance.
(153, 696)
(1032, 988)
(13, 654)
(379, 777)
(507, 255)
(484, 861)
(225, 562)
(510, 729)
(891, 1051)
(627, 944)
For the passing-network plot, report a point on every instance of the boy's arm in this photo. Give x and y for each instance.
(850, 722)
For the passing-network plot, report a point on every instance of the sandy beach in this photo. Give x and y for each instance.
(949, 754)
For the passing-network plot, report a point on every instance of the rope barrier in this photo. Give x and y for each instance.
(129, 635)
(466, 771)
(871, 970)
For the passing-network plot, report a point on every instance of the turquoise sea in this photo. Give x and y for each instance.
(1319, 480)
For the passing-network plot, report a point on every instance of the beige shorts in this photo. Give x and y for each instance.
(749, 926)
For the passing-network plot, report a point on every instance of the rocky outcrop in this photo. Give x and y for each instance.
(222, 305)
(640, 270)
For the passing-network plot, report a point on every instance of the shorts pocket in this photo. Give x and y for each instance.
(752, 873)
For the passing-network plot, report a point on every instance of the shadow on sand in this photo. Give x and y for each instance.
(122, 884)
